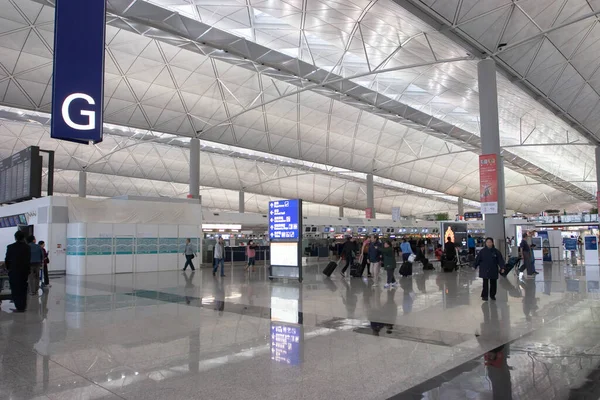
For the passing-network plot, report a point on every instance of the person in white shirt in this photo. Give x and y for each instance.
(219, 256)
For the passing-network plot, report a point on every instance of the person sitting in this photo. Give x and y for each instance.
(439, 252)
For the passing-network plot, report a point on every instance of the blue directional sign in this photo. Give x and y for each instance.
(78, 86)
(284, 220)
(286, 344)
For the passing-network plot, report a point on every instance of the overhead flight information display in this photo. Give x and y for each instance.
(21, 176)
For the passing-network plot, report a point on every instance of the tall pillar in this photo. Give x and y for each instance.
(341, 212)
(195, 168)
(598, 168)
(490, 144)
(461, 206)
(82, 184)
(242, 202)
(371, 195)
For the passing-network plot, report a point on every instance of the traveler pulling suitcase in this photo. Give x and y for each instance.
(330, 268)
(406, 269)
(357, 270)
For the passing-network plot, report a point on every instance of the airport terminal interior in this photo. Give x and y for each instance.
(299, 199)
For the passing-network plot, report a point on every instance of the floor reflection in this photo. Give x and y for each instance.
(173, 335)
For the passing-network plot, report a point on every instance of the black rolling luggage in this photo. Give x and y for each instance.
(357, 270)
(449, 266)
(330, 268)
(512, 263)
(406, 269)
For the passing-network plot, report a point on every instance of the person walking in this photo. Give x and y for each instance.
(490, 263)
(251, 253)
(375, 257)
(366, 263)
(219, 257)
(389, 264)
(348, 253)
(527, 256)
(471, 245)
(37, 258)
(189, 253)
(406, 249)
(46, 278)
(18, 264)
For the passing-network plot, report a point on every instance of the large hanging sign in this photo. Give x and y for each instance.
(78, 86)
(488, 183)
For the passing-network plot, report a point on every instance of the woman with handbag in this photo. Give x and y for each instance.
(189, 253)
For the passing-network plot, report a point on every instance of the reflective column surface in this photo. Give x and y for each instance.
(175, 335)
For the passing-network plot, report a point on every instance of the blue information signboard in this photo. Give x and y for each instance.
(78, 86)
(284, 220)
(570, 244)
(286, 343)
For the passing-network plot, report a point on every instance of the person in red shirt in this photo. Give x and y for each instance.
(439, 252)
(251, 253)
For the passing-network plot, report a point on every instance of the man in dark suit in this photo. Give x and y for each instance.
(18, 260)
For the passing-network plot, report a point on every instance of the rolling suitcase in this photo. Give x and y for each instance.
(512, 263)
(357, 270)
(330, 268)
(449, 266)
(406, 269)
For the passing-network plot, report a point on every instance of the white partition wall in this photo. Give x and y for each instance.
(124, 248)
(99, 249)
(146, 259)
(168, 247)
(76, 249)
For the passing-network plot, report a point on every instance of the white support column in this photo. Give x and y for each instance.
(598, 168)
(82, 184)
(461, 206)
(490, 144)
(242, 202)
(195, 168)
(371, 195)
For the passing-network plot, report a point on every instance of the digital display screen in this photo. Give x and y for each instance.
(284, 254)
(21, 176)
(284, 220)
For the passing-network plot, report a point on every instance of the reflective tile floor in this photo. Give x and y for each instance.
(175, 335)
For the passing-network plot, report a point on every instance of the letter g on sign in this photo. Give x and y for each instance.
(90, 114)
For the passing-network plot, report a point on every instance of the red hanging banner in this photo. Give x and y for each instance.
(488, 183)
(368, 213)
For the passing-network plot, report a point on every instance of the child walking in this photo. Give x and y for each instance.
(389, 264)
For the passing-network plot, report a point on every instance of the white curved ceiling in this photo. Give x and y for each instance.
(159, 80)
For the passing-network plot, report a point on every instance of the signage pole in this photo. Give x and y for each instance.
(285, 234)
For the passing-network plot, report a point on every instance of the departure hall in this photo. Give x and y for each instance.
(299, 199)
